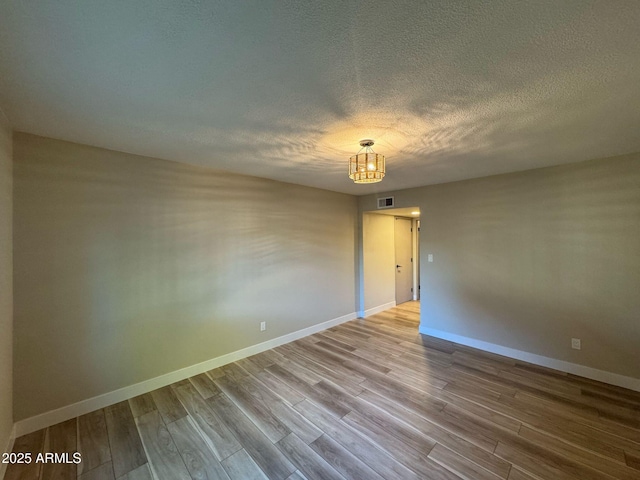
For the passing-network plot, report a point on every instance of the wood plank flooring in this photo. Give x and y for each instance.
(369, 399)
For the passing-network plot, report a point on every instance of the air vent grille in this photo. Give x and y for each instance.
(386, 202)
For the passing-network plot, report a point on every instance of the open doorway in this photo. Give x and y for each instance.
(390, 259)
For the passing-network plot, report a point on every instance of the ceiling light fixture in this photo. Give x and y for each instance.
(368, 166)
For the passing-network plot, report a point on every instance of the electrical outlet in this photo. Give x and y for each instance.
(575, 343)
(430, 257)
(263, 326)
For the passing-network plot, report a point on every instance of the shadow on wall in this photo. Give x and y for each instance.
(531, 260)
(128, 267)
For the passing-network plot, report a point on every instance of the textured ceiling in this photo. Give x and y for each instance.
(285, 89)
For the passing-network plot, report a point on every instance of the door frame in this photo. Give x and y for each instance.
(411, 255)
(361, 279)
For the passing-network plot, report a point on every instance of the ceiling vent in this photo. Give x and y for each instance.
(386, 202)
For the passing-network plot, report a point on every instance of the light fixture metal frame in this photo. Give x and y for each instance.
(367, 166)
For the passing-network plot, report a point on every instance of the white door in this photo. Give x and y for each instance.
(404, 269)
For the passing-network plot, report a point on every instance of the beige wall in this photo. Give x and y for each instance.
(379, 260)
(529, 260)
(6, 282)
(129, 267)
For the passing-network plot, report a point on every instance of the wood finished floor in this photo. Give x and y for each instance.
(368, 399)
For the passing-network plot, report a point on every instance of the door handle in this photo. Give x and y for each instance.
(398, 266)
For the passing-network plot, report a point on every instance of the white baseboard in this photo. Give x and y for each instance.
(52, 417)
(568, 367)
(8, 448)
(378, 309)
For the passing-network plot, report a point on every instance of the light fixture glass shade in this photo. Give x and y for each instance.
(367, 167)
